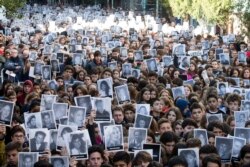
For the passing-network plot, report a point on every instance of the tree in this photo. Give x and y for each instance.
(208, 11)
(12, 6)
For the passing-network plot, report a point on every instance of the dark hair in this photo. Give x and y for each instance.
(83, 144)
(16, 129)
(244, 150)
(96, 148)
(208, 149)
(215, 124)
(67, 130)
(189, 121)
(177, 160)
(121, 156)
(57, 159)
(41, 133)
(168, 137)
(214, 158)
(195, 105)
(13, 146)
(43, 163)
(212, 96)
(141, 156)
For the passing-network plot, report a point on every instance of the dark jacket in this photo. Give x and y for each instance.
(33, 146)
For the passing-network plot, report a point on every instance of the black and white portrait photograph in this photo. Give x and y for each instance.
(6, 112)
(136, 138)
(143, 109)
(76, 145)
(33, 120)
(60, 57)
(236, 90)
(224, 58)
(179, 49)
(39, 140)
(201, 134)
(112, 65)
(87, 137)
(47, 102)
(64, 120)
(72, 48)
(103, 50)
(32, 56)
(122, 94)
(241, 117)
(48, 119)
(156, 150)
(77, 116)
(60, 110)
(56, 48)
(142, 121)
(152, 65)
(101, 126)
(238, 143)
(73, 41)
(241, 57)
(138, 55)
(102, 107)
(47, 49)
(191, 155)
(53, 84)
(178, 91)
(27, 159)
(105, 38)
(218, 51)
(184, 62)
(247, 94)
(46, 72)
(126, 70)
(105, 87)
(245, 105)
(214, 117)
(113, 136)
(55, 66)
(136, 73)
(53, 139)
(167, 61)
(63, 130)
(38, 68)
(84, 101)
(224, 147)
(59, 161)
(124, 52)
(152, 52)
(243, 133)
(85, 41)
(222, 88)
(77, 59)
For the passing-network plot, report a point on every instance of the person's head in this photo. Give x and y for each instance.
(157, 105)
(233, 102)
(174, 114)
(164, 125)
(99, 105)
(212, 100)
(96, 156)
(65, 131)
(59, 162)
(190, 157)
(39, 136)
(104, 86)
(118, 114)
(169, 139)
(188, 125)
(142, 159)
(177, 161)
(77, 116)
(152, 77)
(17, 134)
(245, 154)
(121, 159)
(32, 121)
(177, 127)
(197, 111)
(145, 95)
(213, 160)
(216, 127)
(28, 160)
(77, 142)
(46, 118)
(207, 150)
(129, 112)
(5, 112)
(27, 86)
(11, 150)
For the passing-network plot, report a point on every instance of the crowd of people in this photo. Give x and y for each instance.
(86, 86)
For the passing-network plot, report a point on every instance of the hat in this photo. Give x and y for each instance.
(182, 104)
(28, 82)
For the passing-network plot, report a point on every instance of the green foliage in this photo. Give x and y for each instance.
(210, 11)
(12, 6)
